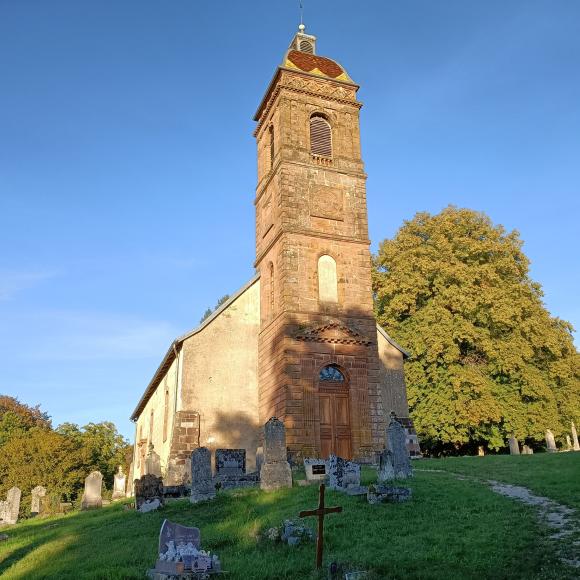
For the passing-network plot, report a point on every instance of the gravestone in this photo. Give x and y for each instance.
(259, 459)
(130, 480)
(275, 472)
(152, 462)
(514, 446)
(344, 475)
(315, 469)
(388, 494)
(396, 464)
(92, 497)
(568, 443)
(36, 503)
(386, 466)
(10, 508)
(148, 493)
(550, 442)
(575, 444)
(481, 451)
(230, 461)
(180, 554)
(202, 486)
(527, 450)
(119, 482)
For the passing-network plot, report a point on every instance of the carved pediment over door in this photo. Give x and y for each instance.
(333, 333)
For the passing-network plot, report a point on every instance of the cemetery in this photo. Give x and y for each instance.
(396, 518)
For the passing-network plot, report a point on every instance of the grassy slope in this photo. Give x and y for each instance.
(554, 475)
(451, 529)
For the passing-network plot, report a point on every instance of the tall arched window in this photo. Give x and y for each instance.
(271, 134)
(165, 412)
(327, 281)
(271, 289)
(320, 136)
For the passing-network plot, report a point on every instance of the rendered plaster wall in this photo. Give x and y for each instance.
(392, 378)
(150, 424)
(219, 377)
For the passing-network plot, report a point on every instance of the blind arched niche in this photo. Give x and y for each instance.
(327, 280)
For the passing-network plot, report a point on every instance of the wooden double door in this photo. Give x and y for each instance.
(335, 435)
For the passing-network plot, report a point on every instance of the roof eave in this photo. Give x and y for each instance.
(392, 342)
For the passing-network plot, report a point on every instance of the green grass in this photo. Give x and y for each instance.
(553, 475)
(451, 529)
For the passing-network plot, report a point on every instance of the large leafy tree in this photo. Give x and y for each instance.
(16, 418)
(488, 360)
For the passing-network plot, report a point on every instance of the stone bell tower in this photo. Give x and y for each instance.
(318, 367)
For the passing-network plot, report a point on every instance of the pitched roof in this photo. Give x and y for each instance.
(392, 342)
(175, 346)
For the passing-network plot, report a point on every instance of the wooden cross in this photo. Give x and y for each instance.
(320, 512)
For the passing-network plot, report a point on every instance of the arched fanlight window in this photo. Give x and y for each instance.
(320, 136)
(271, 132)
(327, 281)
(331, 373)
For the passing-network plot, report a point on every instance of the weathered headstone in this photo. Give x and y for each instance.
(481, 451)
(315, 469)
(36, 503)
(386, 466)
(259, 459)
(386, 493)
(148, 493)
(230, 461)
(550, 442)
(527, 450)
(514, 446)
(119, 484)
(202, 486)
(180, 554)
(568, 443)
(275, 472)
(395, 461)
(130, 480)
(10, 508)
(343, 475)
(575, 444)
(152, 462)
(92, 497)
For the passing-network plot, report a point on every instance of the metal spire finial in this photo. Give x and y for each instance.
(301, 27)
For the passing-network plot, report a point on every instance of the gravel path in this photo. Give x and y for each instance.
(562, 521)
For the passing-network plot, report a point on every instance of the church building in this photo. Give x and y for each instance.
(299, 341)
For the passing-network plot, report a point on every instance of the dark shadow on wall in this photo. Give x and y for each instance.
(235, 430)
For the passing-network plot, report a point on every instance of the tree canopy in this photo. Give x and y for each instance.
(208, 312)
(33, 453)
(488, 360)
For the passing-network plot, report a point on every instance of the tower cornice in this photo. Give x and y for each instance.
(306, 83)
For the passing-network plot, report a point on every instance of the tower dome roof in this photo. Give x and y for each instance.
(314, 64)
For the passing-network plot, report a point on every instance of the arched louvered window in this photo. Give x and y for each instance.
(306, 46)
(320, 136)
(271, 131)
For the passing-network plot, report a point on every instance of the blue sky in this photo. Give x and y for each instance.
(127, 162)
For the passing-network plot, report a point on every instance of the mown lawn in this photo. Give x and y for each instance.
(553, 475)
(451, 529)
